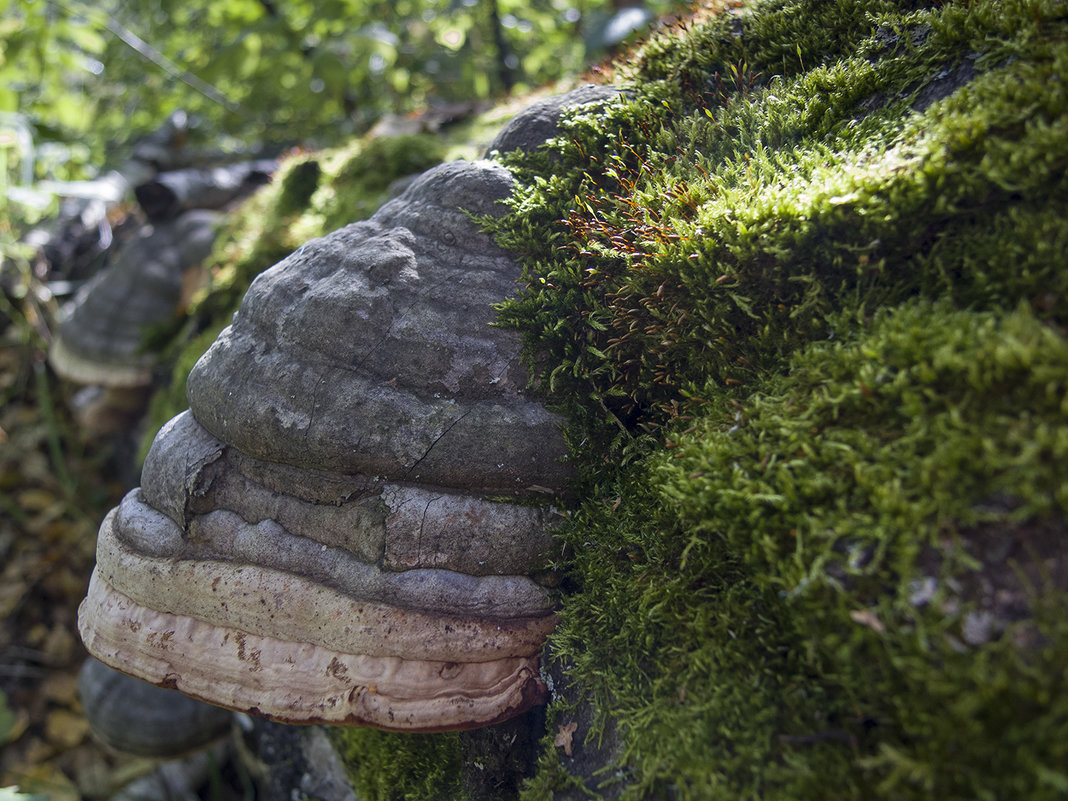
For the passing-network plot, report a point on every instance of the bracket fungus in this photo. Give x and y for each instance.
(348, 524)
(101, 336)
(136, 718)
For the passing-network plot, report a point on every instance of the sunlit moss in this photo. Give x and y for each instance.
(714, 231)
(892, 492)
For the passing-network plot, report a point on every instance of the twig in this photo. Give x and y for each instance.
(151, 54)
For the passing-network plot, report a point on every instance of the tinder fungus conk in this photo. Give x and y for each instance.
(347, 525)
(132, 716)
(101, 338)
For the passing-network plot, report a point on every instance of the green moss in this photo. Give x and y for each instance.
(802, 298)
(723, 222)
(872, 488)
(694, 663)
(386, 766)
(360, 175)
(783, 604)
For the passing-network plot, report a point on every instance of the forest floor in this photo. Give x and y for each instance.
(56, 483)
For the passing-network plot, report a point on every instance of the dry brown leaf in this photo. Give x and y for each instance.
(36, 635)
(101, 774)
(65, 729)
(24, 416)
(61, 688)
(35, 500)
(11, 594)
(564, 735)
(37, 752)
(45, 778)
(18, 727)
(59, 645)
(34, 466)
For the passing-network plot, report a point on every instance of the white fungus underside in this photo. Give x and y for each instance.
(298, 682)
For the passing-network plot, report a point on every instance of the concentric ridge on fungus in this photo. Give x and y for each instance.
(312, 541)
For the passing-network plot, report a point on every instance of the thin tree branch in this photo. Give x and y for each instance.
(154, 56)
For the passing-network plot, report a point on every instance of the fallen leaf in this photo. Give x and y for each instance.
(61, 688)
(866, 617)
(51, 781)
(35, 500)
(37, 753)
(101, 776)
(19, 726)
(59, 645)
(564, 735)
(7, 719)
(11, 594)
(65, 729)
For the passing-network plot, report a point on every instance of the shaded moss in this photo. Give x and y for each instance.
(876, 488)
(387, 766)
(852, 584)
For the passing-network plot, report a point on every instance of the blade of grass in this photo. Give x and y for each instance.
(55, 447)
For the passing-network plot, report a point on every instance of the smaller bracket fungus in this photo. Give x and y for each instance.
(101, 336)
(347, 525)
(134, 717)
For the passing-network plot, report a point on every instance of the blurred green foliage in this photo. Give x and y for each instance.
(277, 71)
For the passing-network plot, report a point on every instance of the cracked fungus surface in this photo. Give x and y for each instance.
(348, 570)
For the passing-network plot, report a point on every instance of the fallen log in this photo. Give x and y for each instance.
(171, 193)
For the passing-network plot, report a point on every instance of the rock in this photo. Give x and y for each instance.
(539, 122)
